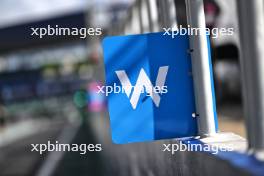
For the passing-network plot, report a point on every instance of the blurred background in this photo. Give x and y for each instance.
(48, 85)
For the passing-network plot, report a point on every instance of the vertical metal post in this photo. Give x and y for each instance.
(145, 17)
(151, 25)
(201, 69)
(164, 14)
(139, 8)
(153, 15)
(135, 25)
(251, 26)
(173, 13)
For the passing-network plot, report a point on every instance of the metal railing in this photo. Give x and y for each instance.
(152, 15)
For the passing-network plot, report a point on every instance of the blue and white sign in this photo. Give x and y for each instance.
(149, 87)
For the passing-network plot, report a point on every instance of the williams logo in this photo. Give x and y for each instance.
(144, 84)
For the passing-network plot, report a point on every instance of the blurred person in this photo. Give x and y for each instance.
(80, 101)
(96, 99)
(2, 116)
(211, 8)
(212, 12)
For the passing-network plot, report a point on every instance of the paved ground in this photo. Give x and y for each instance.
(16, 159)
(125, 160)
(73, 163)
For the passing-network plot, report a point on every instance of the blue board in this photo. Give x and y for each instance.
(142, 60)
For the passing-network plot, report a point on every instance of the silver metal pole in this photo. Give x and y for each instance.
(251, 25)
(151, 25)
(153, 15)
(139, 7)
(164, 14)
(201, 69)
(145, 17)
(173, 13)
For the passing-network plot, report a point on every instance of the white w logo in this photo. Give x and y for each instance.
(143, 81)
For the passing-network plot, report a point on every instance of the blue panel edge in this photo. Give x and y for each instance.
(212, 84)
